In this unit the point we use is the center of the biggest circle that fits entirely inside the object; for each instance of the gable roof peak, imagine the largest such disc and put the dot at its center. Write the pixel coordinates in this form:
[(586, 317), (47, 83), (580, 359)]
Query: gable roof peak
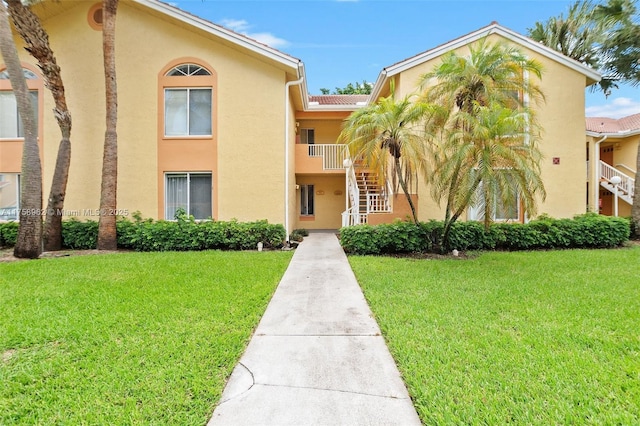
[(494, 27), (220, 31)]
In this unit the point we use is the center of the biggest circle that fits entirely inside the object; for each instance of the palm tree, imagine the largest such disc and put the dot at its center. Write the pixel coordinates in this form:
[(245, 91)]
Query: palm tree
[(36, 39), (603, 36), (107, 236), (389, 127), (29, 239), (488, 139), (491, 72), (574, 36), (492, 158)]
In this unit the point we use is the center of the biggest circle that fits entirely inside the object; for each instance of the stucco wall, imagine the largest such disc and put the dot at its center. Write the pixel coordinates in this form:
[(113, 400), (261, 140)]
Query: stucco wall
[(329, 202), (249, 114)]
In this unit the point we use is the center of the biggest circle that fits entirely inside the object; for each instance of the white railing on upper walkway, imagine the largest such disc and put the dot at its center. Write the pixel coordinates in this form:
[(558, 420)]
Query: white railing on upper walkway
[(333, 155), (626, 184)]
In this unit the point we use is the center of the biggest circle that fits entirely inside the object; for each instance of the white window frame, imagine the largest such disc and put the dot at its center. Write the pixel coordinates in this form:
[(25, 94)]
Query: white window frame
[(187, 175), (188, 90)]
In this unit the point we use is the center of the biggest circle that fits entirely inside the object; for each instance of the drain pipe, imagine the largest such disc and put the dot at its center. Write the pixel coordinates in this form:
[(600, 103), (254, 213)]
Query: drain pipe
[(596, 175), (286, 152)]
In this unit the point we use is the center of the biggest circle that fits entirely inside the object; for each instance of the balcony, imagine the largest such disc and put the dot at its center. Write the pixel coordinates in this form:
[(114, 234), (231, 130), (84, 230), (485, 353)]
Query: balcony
[(320, 158)]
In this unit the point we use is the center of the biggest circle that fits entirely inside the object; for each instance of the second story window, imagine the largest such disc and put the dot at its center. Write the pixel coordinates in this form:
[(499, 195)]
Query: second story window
[(188, 107), (307, 136), (10, 122)]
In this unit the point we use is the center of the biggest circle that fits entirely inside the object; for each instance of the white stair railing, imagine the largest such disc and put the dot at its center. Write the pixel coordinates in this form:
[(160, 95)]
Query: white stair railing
[(374, 202), (626, 185)]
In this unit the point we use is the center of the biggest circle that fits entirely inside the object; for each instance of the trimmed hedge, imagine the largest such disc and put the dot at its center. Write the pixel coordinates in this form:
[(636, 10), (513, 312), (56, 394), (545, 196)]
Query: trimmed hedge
[(8, 234), (184, 234), (583, 231)]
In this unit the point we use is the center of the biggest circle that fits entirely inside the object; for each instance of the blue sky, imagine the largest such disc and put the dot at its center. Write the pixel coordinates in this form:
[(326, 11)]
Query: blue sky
[(347, 41)]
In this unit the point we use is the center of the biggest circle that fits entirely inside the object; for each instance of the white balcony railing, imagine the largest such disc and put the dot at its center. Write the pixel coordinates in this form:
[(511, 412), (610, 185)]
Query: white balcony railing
[(333, 155)]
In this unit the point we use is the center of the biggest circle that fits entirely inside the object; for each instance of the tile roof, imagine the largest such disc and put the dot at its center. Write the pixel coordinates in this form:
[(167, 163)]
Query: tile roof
[(339, 99), (612, 125)]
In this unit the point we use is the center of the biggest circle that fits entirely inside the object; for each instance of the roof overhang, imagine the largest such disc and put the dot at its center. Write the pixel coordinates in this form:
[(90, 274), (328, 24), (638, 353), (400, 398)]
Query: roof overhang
[(614, 135)]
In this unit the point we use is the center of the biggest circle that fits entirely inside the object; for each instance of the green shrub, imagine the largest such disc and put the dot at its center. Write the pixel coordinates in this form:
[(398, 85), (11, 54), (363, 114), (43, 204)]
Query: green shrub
[(396, 237), (77, 235), (8, 234), (185, 234), (584, 231), (298, 234)]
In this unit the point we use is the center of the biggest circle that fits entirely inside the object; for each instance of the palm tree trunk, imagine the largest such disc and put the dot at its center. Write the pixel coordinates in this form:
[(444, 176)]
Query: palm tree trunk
[(52, 235), (635, 209), (403, 185), (36, 39), (107, 237), (487, 210), (29, 239), (456, 215)]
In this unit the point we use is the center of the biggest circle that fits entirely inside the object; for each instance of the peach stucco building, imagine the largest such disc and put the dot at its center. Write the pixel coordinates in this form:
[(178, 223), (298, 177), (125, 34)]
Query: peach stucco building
[(223, 126)]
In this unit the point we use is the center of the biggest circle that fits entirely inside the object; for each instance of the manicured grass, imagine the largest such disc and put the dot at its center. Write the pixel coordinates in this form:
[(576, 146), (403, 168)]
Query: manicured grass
[(525, 338), (136, 338)]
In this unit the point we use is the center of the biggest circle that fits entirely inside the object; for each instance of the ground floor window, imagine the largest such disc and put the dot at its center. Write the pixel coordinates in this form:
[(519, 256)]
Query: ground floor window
[(190, 191), (306, 200), (9, 196), (502, 212)]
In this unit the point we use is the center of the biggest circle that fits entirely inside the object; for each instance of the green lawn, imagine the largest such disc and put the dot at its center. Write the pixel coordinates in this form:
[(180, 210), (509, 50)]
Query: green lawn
[(522, 338), (136, 338)]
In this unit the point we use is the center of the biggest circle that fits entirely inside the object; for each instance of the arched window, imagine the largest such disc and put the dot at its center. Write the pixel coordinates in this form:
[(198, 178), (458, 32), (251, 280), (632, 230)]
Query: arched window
[(188, 69), (188, 99), (10, 123)]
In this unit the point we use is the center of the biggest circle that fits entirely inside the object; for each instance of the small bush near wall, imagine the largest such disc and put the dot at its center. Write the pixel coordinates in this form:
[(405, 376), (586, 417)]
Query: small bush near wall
[(78, 235), (184, 234), (584, 231), (8, 234)]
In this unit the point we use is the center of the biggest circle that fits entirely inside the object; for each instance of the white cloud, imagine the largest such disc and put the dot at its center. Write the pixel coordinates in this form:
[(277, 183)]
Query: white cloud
[(238, 25), (616, 108), (241, 26)]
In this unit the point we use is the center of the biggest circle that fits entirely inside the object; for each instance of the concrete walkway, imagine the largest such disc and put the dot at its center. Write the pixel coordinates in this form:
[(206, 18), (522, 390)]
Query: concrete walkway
[(317, 356)]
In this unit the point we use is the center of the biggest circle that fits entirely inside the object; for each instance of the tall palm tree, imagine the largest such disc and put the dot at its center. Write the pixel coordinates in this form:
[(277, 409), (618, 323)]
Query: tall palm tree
[(488, 139), (107, 236), (29, 239), (574, 36), (604, 36), (36, 39), (387, 137), (491, 72)]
